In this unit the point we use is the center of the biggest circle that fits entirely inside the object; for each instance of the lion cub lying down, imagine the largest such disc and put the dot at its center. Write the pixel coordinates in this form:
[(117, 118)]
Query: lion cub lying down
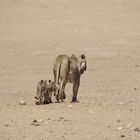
[(45, 89)]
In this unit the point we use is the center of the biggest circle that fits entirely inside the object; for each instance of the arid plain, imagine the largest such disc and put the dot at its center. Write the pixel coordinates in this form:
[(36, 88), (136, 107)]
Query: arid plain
[(33, 33)]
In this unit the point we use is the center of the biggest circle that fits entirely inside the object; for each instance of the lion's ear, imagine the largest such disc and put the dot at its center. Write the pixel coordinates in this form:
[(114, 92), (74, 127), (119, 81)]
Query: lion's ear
[(36, 97), (83, 56)]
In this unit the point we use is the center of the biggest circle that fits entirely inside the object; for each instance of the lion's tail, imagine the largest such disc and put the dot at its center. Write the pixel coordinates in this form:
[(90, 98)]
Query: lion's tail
[(58, 77)]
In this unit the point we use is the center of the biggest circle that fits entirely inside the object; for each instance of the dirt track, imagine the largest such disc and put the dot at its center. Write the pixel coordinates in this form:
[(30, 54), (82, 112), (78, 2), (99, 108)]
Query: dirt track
[(33, 33)]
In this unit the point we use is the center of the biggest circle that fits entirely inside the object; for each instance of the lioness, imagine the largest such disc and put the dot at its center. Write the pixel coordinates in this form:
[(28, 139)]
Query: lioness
[(68, 69), (44, 92)]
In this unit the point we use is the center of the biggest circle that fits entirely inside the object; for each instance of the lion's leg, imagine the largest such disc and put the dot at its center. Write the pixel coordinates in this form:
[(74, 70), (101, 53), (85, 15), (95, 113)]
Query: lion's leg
[(46, 100), (57, 95), (50, 100), (40, 99), (56, 92), (75, 90), (64, 94), (62, 89), (50, 96)]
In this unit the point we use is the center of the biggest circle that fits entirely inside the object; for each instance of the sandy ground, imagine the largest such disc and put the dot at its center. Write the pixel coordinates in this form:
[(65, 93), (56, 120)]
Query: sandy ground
[(33, 33)]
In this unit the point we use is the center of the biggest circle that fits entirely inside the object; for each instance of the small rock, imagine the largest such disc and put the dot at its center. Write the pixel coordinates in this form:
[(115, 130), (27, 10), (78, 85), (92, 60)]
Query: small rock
[(40, 120), (135, 88), (37, 124), (67, 120), (70, 106), (108, 126), (122, 136), (22, 102), (132, 128), (6, 125), (118, 121), (137, 129), (61, 118), (63, 137), (128, 126), (34, 121), (119, 128)]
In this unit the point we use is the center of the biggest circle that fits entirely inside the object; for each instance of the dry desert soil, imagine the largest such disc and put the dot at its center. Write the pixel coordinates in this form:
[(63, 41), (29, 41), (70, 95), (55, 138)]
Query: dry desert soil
[(34, 32)]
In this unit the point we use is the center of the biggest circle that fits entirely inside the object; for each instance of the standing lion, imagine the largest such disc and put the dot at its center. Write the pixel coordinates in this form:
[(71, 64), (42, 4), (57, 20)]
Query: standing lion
[(68, 69)]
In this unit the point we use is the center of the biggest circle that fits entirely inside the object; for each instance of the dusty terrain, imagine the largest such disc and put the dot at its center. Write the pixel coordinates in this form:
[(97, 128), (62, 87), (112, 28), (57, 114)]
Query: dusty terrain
[(34, 32)]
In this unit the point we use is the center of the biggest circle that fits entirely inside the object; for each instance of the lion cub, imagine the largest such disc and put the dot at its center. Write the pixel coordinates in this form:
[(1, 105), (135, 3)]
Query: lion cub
[(45, 89)]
